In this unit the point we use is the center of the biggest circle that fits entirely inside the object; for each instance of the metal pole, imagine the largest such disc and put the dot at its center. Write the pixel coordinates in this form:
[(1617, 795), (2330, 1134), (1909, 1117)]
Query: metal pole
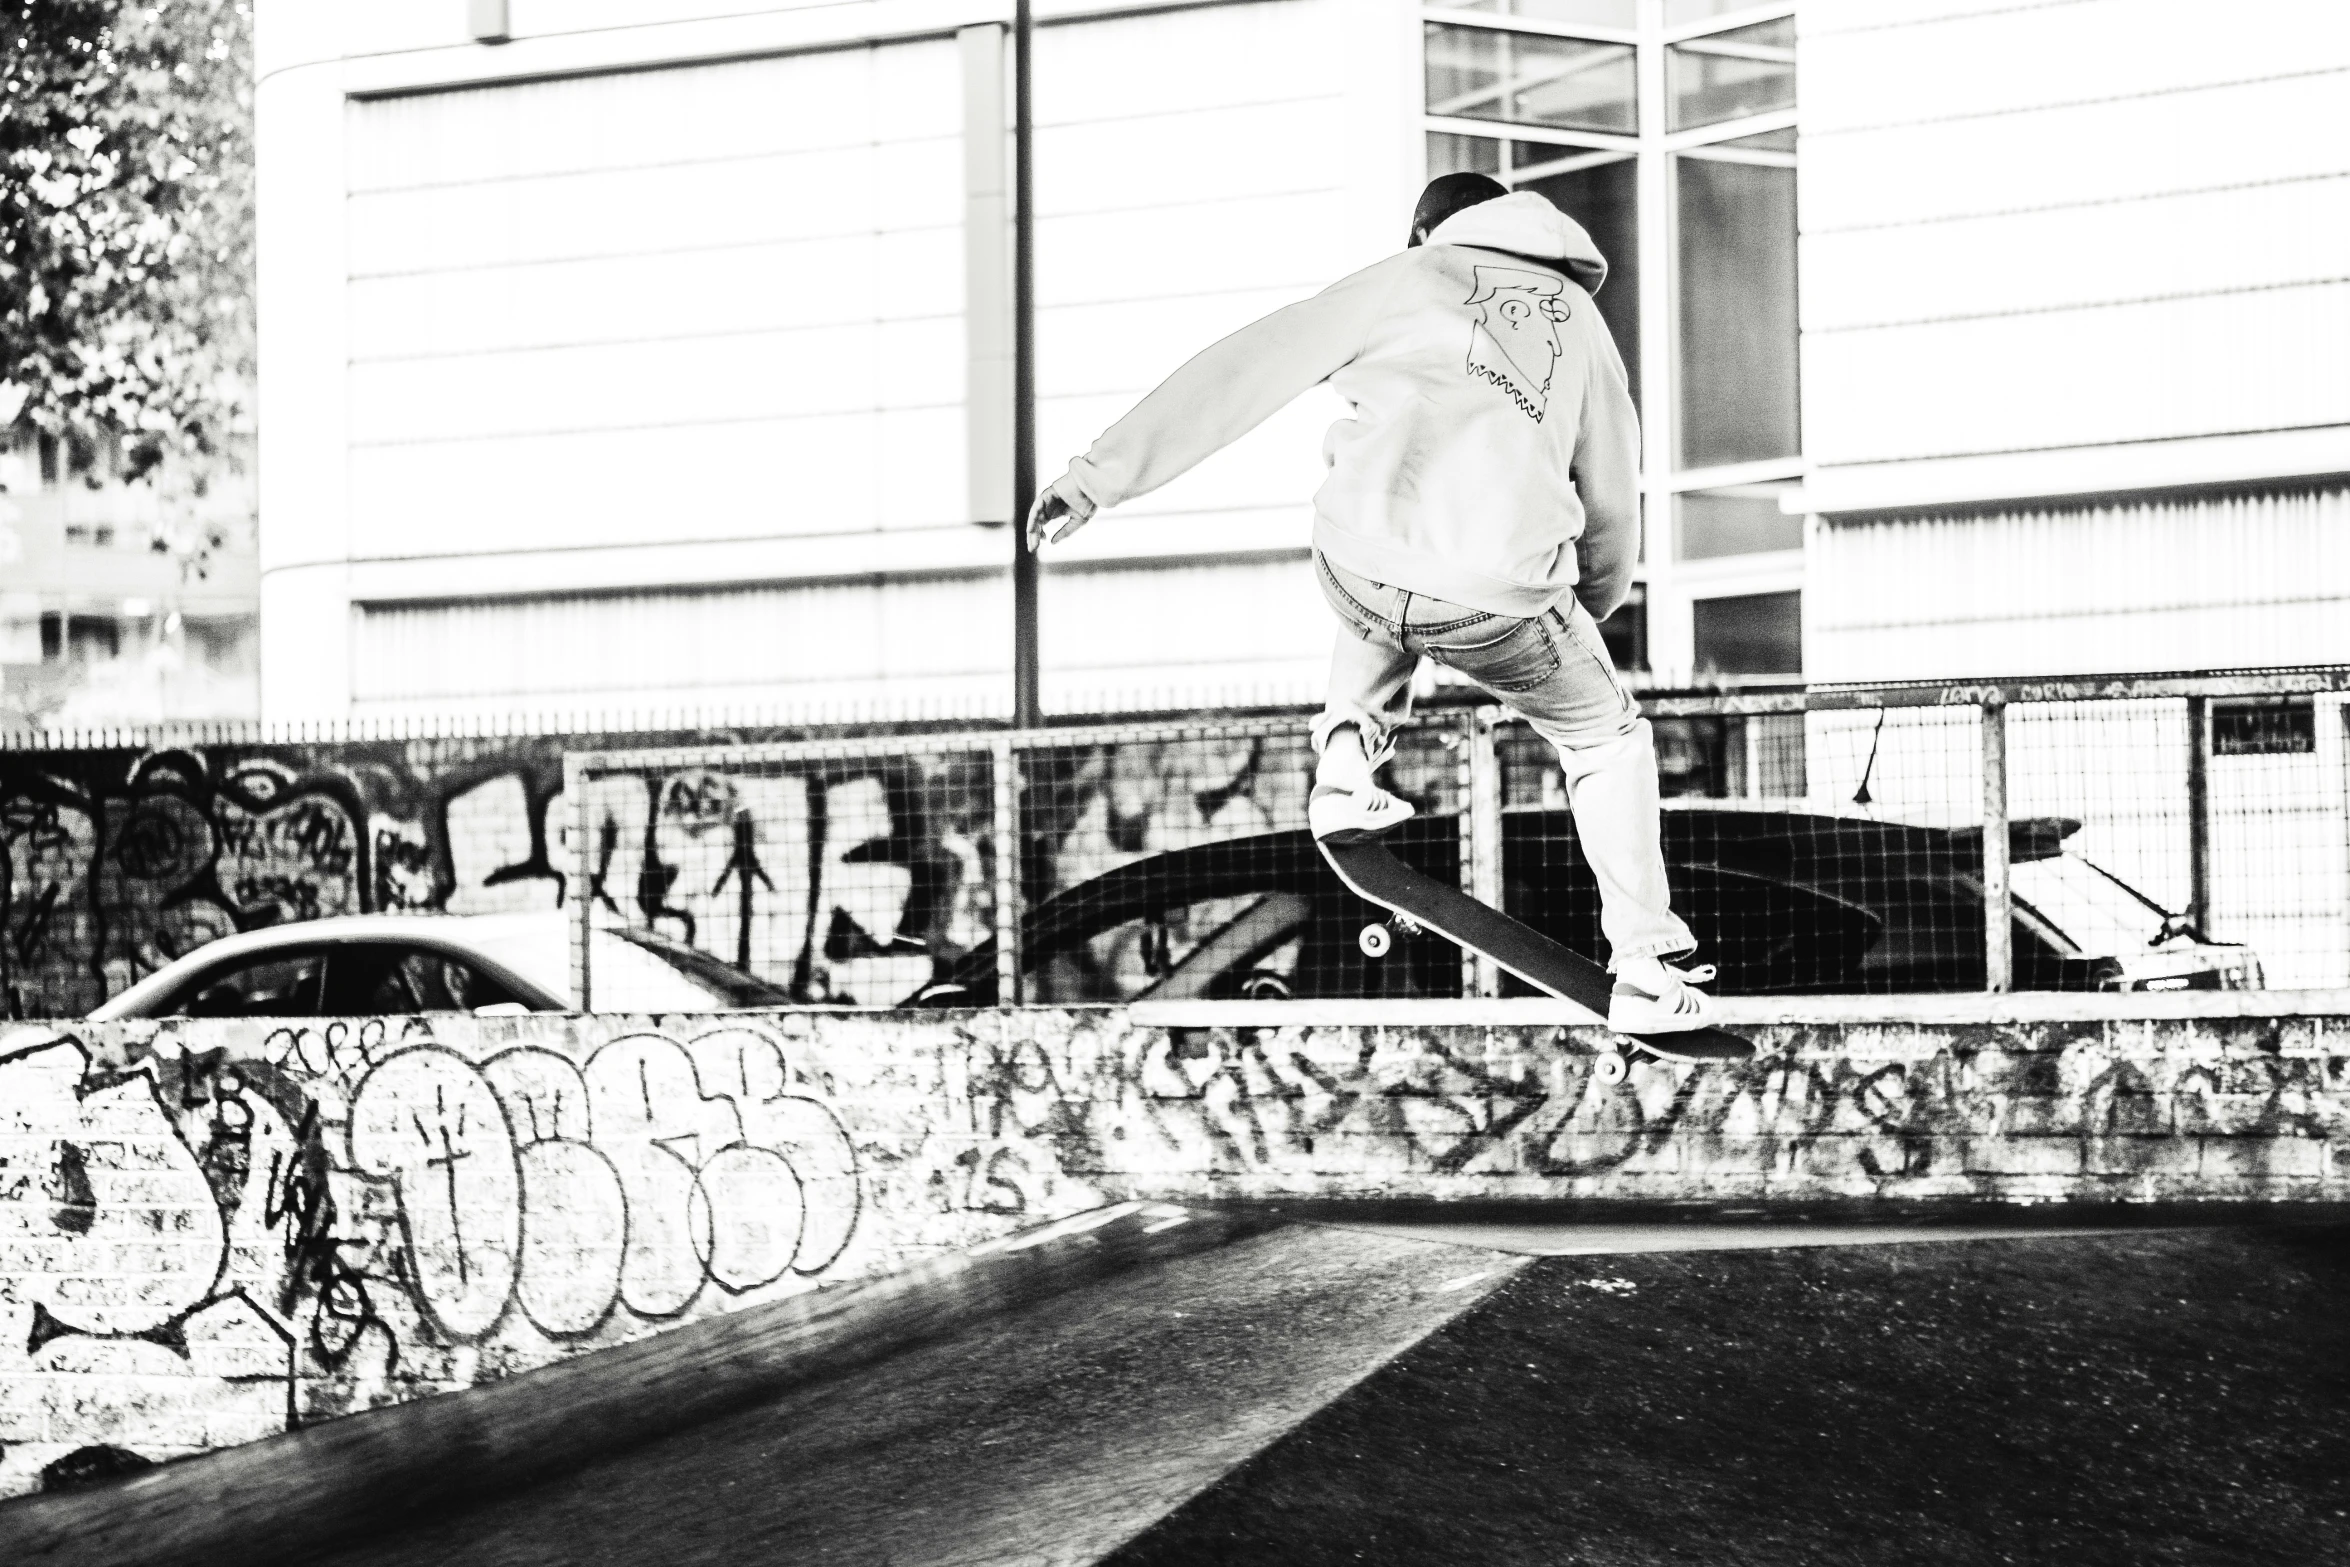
[(1026, 710), (1998, 905), (2199, 814), (1007, 872), (575, 793), (1481, 866)]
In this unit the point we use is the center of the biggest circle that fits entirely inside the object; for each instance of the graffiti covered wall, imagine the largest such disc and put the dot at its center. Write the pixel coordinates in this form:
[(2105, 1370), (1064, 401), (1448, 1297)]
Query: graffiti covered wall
[(214, 1230), (211, 1230), (837, 880)]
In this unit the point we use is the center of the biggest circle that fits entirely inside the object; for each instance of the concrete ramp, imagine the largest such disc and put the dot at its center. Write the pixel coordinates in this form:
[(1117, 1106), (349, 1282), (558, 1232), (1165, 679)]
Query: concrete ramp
[(1042, 1400), (1052, 1435)]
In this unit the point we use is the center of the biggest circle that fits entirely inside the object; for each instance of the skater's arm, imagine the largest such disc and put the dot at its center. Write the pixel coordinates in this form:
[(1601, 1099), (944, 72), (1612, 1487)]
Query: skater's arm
[(1225, 391), (1607, 478)]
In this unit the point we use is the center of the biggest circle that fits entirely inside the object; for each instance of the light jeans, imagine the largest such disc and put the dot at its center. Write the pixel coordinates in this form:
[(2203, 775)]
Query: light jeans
[(1555, 672)]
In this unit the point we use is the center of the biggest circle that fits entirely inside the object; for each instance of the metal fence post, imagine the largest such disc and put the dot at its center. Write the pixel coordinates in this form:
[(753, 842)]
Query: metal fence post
[(1481, 833), (2199, 814), (575, 776), (1007, 872), (1998, 903)]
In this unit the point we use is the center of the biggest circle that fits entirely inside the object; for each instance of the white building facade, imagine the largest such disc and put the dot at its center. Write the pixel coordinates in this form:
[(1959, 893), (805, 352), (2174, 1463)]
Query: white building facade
[(631, 356), (646, 361), (2075, 321)]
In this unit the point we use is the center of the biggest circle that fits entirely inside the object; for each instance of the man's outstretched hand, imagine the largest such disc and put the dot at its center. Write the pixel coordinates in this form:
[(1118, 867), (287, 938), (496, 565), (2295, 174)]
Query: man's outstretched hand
[(1061, 502)]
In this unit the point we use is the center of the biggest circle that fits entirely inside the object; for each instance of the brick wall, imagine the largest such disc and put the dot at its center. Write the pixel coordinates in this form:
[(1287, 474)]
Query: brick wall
[(212, 1229)]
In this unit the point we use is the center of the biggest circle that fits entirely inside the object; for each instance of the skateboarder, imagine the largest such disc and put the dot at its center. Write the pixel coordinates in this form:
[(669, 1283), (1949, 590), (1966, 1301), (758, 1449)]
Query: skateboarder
[(1481, 510)]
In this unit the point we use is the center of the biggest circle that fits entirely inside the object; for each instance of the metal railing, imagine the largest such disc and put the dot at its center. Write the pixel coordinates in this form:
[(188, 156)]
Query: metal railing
[(2161, 831)]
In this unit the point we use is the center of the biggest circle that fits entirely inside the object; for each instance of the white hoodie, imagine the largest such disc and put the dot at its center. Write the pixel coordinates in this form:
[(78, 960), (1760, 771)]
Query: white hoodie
[(1493, 453)]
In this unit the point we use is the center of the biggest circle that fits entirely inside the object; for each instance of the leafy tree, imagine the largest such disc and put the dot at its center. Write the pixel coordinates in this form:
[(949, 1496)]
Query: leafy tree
[(126, 232)]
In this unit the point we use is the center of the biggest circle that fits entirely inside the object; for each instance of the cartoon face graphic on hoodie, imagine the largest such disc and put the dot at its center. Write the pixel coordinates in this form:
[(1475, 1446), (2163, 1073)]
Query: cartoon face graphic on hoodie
[(1515, 343)]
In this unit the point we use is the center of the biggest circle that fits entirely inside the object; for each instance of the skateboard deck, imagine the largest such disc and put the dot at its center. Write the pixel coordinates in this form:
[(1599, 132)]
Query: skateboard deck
[(1371, 870)]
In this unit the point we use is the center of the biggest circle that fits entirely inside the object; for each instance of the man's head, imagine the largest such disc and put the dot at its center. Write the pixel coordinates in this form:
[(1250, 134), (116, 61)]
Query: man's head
[(1447, 194)]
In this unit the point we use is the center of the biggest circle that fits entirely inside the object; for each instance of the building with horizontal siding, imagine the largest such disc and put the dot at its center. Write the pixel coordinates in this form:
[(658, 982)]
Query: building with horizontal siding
[(636, 356)]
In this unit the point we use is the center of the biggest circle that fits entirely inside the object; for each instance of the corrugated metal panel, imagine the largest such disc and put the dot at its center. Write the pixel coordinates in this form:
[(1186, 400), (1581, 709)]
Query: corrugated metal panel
[(560, 647), (1118, 635), (2214, 583)]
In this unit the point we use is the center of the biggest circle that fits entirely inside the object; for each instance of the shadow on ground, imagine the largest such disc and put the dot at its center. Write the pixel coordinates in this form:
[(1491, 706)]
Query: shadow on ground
[(2134, 1398)]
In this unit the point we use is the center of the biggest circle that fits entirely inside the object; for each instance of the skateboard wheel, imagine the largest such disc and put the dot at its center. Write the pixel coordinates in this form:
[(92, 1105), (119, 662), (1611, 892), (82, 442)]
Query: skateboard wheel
[(1610, 1067), (1375, 940)]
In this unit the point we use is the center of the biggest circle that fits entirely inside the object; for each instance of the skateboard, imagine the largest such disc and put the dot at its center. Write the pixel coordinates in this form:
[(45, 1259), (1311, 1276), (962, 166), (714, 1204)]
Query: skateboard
[(1414, 902)]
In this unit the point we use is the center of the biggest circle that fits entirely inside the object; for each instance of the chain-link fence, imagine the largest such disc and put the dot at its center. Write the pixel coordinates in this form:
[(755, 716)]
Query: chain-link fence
[(2160, 832)]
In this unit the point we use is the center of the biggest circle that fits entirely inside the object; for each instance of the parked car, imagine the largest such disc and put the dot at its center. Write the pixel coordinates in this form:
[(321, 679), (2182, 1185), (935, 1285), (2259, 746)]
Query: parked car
[(391, 963), (1783, 902)]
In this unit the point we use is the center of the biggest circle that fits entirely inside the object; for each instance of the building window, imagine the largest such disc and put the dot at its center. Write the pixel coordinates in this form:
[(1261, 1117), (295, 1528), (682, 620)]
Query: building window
[(92, 639), (1667, 128), (1481, 73), (1736, 335), (1735, 520), (1731, 75), (1749, 634)]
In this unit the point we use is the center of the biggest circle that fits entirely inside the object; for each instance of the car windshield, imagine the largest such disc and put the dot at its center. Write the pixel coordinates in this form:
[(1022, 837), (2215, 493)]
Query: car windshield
[(2101, 915), (722, 982), (634, 971)]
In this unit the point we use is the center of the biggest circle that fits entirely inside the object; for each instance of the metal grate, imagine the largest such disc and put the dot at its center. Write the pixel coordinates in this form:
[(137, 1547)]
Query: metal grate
[(1824, 840), (2161, 831)]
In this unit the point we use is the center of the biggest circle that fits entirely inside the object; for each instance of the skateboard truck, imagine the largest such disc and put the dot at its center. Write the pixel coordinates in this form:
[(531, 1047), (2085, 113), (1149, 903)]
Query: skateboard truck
[(1378, 939)]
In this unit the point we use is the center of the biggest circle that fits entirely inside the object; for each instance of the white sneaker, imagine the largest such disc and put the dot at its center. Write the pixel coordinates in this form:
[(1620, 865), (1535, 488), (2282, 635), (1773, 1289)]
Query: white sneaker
[(1653, 997), (1345, 805), (1339, 815)]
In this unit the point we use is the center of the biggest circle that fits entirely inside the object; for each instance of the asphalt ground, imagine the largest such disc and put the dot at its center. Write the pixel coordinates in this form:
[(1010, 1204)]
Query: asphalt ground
[(2140, 1398)]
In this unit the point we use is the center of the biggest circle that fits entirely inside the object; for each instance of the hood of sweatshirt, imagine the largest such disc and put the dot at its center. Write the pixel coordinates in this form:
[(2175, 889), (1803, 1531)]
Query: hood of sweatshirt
[(1524, 223)]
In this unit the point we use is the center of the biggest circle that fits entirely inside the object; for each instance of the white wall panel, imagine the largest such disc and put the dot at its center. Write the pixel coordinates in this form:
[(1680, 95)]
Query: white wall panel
[(631, 311), (1128, 346), (2199, 366), (2037, 227), (2195, 584), (1176, 205), (1247, 54), (1289, 242), (715, 292), (1122, 164), (2216, 242), (831, 474), (572, 216), (2233, 135), (675, 304), (820, 370), (644, 119), (1878, 64)]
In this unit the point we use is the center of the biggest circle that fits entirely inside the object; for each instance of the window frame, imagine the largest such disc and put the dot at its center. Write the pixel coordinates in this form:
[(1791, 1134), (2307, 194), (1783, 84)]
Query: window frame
[(1671, 585)]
